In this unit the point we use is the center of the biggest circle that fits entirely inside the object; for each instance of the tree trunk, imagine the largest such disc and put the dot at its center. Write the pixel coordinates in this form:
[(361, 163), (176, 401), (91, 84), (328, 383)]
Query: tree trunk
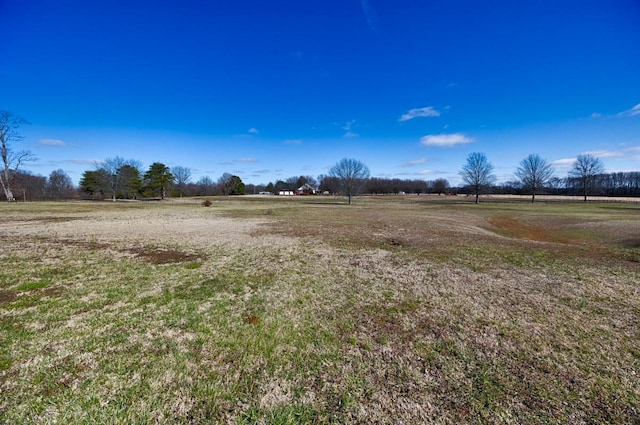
[(533, 197), (349, 195), (8, 193), (477, 198)]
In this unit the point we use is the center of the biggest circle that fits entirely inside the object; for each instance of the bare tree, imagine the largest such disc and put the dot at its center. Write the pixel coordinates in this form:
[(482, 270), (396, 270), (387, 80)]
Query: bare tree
[(534, 173), (477, 173), (293, 182), (205, 186), (31, 186), (351, 174), (111, 167), (116, 179), (224, 183), (182, 177), (59, 185), (440, 185), (586, 169), (11, 160)]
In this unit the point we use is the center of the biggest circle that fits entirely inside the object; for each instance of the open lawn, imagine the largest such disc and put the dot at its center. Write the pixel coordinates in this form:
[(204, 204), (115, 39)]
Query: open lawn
[(305, 310)]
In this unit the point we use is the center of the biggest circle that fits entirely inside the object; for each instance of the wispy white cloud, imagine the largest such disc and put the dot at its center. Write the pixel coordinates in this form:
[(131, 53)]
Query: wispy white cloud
[(51, 142), (603, 153), (427, 111), (414, 162), (348, 128), (631, 153), (260, 172), (628, 154), (425, 172), (293, 142), (633, 112), (84, 161), (246, 161), (445, 140), (563, 163), (414, 174), (370, 15), (253, 130)]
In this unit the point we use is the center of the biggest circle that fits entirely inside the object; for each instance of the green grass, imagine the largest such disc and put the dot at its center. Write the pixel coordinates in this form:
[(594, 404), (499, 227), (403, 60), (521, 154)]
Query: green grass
[(391, 310)]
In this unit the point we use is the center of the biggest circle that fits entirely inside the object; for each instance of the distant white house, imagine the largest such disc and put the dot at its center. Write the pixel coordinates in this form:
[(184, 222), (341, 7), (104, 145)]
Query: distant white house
[(286, 193), (307, 189)]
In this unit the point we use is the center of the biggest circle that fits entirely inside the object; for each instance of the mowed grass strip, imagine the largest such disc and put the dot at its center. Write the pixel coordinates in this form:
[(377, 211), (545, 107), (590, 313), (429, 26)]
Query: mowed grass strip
[(390, 310)]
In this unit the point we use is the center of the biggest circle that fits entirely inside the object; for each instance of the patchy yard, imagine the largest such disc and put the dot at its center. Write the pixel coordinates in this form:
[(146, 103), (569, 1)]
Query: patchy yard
[(392, 310)]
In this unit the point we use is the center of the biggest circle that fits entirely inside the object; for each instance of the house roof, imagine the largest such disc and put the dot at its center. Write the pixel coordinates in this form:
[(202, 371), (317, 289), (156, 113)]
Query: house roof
[(307, 186)]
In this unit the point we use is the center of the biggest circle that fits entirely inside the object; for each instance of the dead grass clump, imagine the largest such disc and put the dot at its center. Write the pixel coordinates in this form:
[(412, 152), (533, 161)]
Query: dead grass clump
[(252, 319)]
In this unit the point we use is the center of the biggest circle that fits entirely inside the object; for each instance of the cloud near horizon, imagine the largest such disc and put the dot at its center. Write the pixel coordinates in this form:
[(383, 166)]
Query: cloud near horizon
[(52, 142), (413, 163), (427, 111), (445, 140), (425, 172), (246, 161)]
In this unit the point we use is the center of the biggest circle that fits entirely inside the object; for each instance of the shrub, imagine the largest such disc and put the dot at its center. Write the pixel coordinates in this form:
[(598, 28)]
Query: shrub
[(206, 203)]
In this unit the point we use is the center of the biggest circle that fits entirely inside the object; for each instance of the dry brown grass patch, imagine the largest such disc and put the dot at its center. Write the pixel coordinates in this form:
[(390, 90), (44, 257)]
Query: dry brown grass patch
[(511, 227)]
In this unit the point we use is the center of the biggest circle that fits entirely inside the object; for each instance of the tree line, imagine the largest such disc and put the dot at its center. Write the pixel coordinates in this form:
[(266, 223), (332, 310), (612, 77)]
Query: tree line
[(58, 185), (119, 178)]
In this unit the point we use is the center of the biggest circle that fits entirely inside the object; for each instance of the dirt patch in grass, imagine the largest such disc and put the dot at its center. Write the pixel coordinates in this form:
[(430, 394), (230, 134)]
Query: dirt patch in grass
[(162, 256), (7, 297), (153, 255)]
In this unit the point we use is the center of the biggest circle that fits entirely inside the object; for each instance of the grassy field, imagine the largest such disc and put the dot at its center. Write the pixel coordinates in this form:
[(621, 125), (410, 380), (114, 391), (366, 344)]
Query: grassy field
[(306, 310)]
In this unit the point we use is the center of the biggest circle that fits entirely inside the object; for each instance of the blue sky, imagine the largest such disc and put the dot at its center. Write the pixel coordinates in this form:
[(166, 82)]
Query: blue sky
[(272, 89)]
